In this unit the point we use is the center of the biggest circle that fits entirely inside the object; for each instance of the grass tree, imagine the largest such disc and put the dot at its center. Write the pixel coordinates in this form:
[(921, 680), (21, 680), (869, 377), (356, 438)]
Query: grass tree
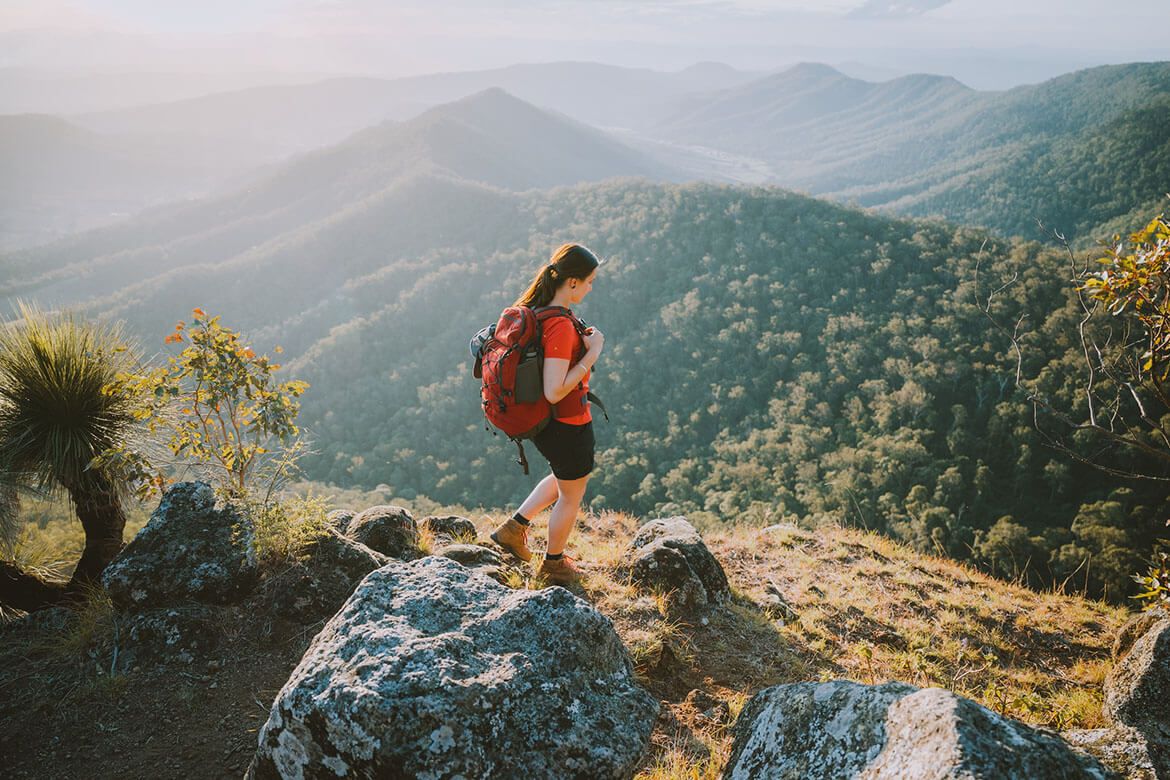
[(57, 413)]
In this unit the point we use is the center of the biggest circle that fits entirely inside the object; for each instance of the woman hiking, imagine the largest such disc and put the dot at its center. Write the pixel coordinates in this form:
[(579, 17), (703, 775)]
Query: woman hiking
[(567, 441)]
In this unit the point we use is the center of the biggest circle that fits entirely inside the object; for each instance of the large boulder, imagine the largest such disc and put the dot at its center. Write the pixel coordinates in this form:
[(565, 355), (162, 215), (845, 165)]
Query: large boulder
[(845, 729), (339, 519), (317, 585), (193, 549), (167, 636), (1135, 629), (449, 528), (481, 559), (1137, 689), (669, 555), (390, 530), (430, 671), (1120, 748)]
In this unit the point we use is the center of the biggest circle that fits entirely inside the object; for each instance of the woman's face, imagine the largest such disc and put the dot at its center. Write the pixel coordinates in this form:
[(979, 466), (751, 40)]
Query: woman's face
[(579, 288)]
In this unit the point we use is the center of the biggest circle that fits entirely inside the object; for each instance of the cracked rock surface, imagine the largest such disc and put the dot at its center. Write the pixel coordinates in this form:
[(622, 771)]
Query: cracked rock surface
[(430, 671)]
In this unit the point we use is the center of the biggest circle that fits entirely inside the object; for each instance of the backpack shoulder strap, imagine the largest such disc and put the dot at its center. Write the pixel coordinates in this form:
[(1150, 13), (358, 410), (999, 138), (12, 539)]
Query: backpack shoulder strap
[(549, 312)]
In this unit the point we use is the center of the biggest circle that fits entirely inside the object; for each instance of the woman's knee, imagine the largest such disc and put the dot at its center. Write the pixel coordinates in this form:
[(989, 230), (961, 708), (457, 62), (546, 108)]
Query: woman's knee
[(572, 489)]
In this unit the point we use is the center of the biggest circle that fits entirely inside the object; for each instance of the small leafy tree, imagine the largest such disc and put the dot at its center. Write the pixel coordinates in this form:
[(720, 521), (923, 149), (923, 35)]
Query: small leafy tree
[(1124, 393), (219, 405), (59, 410)]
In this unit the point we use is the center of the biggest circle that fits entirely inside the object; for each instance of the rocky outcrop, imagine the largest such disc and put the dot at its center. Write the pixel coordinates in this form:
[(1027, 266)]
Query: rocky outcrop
[(1137, 689), (317, 585), (484, 560), (669, 555), (339, 519), (433, 672), (844, 729), (1120, 748), (390, 530), (447, 529), (160, 637), (193, 549)]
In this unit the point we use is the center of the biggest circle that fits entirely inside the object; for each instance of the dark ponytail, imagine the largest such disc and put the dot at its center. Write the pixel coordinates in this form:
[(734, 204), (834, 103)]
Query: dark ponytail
[(570, 261)]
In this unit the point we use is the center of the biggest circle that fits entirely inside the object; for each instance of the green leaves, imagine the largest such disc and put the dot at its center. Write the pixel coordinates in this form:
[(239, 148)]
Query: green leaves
[(220, 405), (58, 406), (1135, 281)]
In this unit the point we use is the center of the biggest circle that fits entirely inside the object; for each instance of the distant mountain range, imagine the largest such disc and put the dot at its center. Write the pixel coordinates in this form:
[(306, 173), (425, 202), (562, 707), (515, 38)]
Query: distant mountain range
[(338, 211), (769, 353), (143, 156), (927, 145)]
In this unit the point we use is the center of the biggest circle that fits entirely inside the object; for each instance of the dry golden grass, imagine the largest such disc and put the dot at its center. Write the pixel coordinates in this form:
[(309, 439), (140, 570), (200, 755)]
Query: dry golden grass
[(868, 610)]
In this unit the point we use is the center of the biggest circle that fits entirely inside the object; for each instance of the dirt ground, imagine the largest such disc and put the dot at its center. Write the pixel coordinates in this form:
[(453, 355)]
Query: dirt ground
[(61, 718)]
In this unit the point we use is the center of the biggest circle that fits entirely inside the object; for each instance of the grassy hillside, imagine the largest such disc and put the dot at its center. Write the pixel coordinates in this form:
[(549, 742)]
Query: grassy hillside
[(866, 609)]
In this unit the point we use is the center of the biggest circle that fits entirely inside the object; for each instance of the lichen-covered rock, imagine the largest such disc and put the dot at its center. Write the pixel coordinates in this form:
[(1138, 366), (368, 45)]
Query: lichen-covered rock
[(1122, 749), (845, 729), (429, 671), (1135, 629), (669, 555), (169, 636), (1137, 692), (323, 579), (339, 519), (481, 559), (449, 528), (193, 549), (390, 530)]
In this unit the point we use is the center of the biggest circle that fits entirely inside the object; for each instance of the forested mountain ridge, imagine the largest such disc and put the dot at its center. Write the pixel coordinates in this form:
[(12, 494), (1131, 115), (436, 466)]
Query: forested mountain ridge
[(769, 355), (296, 118), (491, 138), (1065, 152)]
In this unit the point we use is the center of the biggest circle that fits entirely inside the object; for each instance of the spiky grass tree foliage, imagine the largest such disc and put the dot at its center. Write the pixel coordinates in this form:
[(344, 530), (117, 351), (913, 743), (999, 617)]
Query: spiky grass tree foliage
[(57, 413)]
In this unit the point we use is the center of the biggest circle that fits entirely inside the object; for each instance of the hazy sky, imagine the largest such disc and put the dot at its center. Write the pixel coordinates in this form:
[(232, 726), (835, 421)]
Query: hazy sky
[(400, 37)]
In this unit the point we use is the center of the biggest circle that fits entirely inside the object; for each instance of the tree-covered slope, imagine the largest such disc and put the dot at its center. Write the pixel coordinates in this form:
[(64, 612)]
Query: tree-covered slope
[(767, 355), (1075, 152)]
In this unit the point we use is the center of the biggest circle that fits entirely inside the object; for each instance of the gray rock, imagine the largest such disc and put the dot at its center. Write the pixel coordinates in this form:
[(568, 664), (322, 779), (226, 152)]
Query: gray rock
[(1120, 748), (339, 519), (163, 637), (193, 549), (844, 729), (1134, 629), (481, 559), (320, 583), (669, 555), (390, 530), (450, 528), (431, 672), (1137, 691)]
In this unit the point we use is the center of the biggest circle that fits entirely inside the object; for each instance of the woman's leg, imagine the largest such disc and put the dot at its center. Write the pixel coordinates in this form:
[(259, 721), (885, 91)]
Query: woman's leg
[(564, 512), (540, 499)]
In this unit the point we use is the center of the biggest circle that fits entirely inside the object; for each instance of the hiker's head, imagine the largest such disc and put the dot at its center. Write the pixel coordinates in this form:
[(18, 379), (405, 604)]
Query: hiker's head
[(572, 265)]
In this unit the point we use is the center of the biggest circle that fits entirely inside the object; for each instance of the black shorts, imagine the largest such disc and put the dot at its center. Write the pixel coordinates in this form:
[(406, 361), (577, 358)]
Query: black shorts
[(568, 448)]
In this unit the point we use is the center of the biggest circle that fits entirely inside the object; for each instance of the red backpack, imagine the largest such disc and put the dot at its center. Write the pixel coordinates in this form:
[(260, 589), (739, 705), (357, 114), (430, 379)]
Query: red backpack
[(509, 359)]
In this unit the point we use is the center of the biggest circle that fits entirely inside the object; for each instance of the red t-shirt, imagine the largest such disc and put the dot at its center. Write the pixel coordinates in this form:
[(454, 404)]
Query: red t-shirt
[(561, 340)]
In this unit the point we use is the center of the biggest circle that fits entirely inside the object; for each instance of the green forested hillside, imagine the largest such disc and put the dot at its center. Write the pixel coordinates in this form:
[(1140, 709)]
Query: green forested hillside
[(768, 356), (1108, 178), (1074, 152)]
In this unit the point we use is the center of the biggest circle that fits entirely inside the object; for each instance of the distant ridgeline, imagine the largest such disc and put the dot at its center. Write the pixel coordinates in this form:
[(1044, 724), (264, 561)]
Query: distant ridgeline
[(768, 356), (1073, 152)]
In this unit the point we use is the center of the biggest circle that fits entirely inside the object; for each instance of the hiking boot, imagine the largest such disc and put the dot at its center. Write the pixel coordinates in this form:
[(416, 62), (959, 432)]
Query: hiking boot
[(560, 572), (513, 537)]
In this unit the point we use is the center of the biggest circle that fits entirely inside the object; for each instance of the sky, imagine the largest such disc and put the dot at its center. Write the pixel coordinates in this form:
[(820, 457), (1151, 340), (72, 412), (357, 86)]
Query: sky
[(407, 37)]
